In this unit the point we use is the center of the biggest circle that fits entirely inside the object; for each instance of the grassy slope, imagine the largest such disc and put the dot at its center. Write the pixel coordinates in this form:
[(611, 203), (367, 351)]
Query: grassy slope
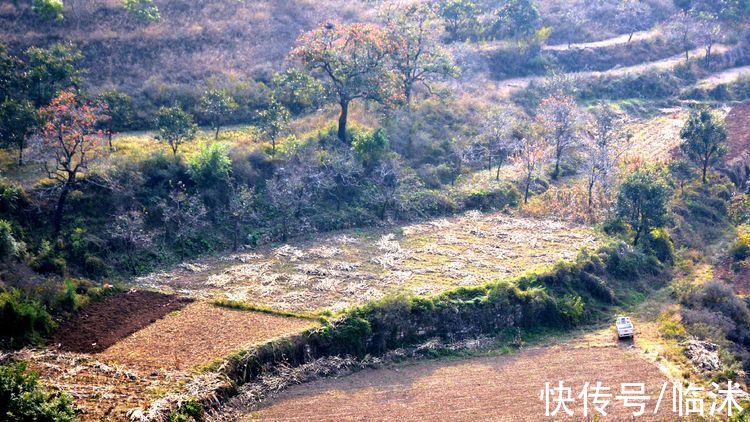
[(201, 39)]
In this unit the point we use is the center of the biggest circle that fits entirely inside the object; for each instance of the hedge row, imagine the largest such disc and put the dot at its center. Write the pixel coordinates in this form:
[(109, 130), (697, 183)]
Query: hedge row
[(562, 298)]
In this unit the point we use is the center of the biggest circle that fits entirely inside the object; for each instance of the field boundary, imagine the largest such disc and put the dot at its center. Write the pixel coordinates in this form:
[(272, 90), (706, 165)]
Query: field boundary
[(565, 297)]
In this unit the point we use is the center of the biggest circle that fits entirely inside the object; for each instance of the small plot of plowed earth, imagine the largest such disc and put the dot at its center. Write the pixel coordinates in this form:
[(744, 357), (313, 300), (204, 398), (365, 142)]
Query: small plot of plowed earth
[(104, 323), (157, 340), (738, 132), (197, 335), (343, 269), (503, 388)]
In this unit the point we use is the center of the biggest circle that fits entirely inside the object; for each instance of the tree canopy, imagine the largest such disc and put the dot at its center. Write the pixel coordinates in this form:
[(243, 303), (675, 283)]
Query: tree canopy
[(352, 59)]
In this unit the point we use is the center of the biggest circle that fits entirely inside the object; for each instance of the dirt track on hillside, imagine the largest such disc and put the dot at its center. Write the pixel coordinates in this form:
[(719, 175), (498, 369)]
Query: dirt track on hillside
[(488, 388)]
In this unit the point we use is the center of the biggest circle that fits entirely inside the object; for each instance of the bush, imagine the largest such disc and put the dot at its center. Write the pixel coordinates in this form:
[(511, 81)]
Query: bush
[(23, 399), (740, 249), (659, 244), (188, 411), (492, 200), (9, 247), (22, 321), (47, 261), (615, 227)]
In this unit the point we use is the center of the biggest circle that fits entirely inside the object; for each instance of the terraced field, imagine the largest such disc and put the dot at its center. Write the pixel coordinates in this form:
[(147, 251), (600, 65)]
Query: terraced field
[(134, 347), (339, 270), (501, 388)]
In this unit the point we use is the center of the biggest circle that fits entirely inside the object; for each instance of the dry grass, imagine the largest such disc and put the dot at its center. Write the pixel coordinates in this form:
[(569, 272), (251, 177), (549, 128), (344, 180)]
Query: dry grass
[(100, 391), (338, 270)]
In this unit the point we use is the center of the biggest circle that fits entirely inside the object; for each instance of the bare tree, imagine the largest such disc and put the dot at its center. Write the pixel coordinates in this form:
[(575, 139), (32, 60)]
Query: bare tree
[(531, 156), (466, 152), (681, 30), (603, 147), (293, 188), (559, 119), (632, 14), (241, 212), (389, 180), (343, 173), (708, 32), (184, 215), (497, 137), (129, 235)]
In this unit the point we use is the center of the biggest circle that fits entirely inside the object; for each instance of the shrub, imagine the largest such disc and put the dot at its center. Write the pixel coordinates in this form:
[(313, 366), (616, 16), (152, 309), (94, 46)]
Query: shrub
[(370, 147), (47, 261), (740, 249), (9, 247), (22, 321), (615, 227), (190, 410), (492, 200), (659, 244), (351, 334), (23, 399)]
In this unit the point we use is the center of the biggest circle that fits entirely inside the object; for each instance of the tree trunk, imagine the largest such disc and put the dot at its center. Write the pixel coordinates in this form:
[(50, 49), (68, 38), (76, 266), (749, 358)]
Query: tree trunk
[(705, 172), (59, 210), (638, 235), (109, 140), (687, 55), (216, 134), (174, 149), (497, 174), (708, 56), (630, 37), (20, 155), (273, 146), (556, 173), (526, 191), (342, 120)]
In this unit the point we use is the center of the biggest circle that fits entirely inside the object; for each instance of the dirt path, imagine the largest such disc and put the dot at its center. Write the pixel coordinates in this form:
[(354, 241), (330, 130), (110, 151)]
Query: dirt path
[(488, 388), (619, 40), (723, 77), (504, 88)]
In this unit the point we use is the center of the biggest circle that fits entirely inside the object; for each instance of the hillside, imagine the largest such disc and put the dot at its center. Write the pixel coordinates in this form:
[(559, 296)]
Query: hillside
[(221, 43), (374, 209)]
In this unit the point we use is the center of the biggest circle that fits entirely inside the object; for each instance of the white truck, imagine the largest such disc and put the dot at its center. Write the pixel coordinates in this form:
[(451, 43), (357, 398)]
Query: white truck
[(624, 327)]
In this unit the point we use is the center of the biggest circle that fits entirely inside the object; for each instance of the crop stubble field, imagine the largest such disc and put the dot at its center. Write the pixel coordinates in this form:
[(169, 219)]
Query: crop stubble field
[(339, 270)]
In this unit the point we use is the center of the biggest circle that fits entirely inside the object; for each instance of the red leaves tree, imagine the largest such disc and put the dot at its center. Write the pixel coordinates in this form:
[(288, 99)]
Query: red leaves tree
[(68, 143), (353, 60)]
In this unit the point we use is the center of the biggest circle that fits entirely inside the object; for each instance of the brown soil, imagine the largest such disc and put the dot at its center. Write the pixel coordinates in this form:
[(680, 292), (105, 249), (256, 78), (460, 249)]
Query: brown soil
[(197, 335), (155, 359), (489, 388), (738, 131), (104, 323)]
